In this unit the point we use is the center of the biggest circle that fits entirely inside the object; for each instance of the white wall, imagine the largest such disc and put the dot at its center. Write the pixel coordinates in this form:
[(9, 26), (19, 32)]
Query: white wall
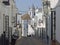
[(58, 24), (24, 31), (1, 18), (19, 18), (22, 27), (39, 16), (49, 26), (55, 3), (30, 30), (6, 10)]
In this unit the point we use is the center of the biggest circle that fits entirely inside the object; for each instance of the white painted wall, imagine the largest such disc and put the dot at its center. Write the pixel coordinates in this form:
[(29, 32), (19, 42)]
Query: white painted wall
[(38, 16), (30, 30), (22, 27), (1, 18), (19, 18), (55, 3), (58, 24), (49, 26), (24, 31), (6, 10)]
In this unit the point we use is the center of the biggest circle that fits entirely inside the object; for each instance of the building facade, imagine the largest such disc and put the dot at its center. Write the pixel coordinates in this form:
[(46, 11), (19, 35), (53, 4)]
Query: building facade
[(8, 10), (53, 20), (31, 12), (56, 9), (25, 20), (1, 18), (38, 21)]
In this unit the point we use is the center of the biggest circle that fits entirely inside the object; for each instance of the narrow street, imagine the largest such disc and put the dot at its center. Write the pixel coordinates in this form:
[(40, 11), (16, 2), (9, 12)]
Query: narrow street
[(29, 22), (29, 41)]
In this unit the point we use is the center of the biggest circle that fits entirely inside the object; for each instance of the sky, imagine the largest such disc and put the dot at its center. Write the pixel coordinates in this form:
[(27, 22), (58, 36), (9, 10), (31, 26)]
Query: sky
[(23, 5)]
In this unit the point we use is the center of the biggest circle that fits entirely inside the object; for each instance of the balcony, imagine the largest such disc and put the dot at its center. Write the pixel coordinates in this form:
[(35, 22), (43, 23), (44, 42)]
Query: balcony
[(6, 2)]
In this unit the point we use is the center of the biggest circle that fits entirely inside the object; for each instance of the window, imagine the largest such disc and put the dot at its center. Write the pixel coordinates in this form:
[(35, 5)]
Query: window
[(53, 25), (6, 2), (34, 13), (7, 25), (30, 13)]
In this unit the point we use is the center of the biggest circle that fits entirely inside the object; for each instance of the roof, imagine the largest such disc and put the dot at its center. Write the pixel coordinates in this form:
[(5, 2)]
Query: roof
[(26, 17)]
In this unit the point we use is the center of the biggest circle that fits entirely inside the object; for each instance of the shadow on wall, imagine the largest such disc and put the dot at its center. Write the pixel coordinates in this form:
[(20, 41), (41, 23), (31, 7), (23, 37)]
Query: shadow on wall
[(4, 40)]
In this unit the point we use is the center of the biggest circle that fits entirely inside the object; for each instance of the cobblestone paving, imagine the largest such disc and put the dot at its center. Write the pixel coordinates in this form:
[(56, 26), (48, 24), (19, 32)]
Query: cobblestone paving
[(29, 41)]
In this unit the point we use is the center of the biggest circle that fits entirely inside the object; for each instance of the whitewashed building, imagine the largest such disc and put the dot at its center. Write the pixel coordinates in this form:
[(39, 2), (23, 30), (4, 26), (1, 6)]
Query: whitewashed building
[(55, 5), (8, 11), (1, 19), (37, 21), (19, 24), (19, 18), (31, 12), (25, 20), (53, 20)]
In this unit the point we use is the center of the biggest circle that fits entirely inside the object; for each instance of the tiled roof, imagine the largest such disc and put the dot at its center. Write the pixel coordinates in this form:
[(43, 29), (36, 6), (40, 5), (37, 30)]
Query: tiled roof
[(26, 17)]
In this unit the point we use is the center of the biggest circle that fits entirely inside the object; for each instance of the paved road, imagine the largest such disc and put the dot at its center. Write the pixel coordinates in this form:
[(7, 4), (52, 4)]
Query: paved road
[(29, 41)]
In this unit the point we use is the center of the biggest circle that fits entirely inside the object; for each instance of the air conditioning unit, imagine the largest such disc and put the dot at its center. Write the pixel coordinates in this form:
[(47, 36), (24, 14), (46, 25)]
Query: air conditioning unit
[(6, 2)]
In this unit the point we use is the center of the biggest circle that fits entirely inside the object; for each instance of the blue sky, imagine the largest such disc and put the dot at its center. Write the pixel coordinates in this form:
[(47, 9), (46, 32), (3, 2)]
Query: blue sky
[(23, 5)]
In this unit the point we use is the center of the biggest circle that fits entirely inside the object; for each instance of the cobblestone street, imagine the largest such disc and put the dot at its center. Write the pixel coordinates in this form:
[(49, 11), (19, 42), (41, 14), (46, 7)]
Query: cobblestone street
[(29, 41), (29, 22)]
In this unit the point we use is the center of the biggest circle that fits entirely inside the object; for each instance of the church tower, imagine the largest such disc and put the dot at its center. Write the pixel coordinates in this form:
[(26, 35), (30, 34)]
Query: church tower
[(32, 11)]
